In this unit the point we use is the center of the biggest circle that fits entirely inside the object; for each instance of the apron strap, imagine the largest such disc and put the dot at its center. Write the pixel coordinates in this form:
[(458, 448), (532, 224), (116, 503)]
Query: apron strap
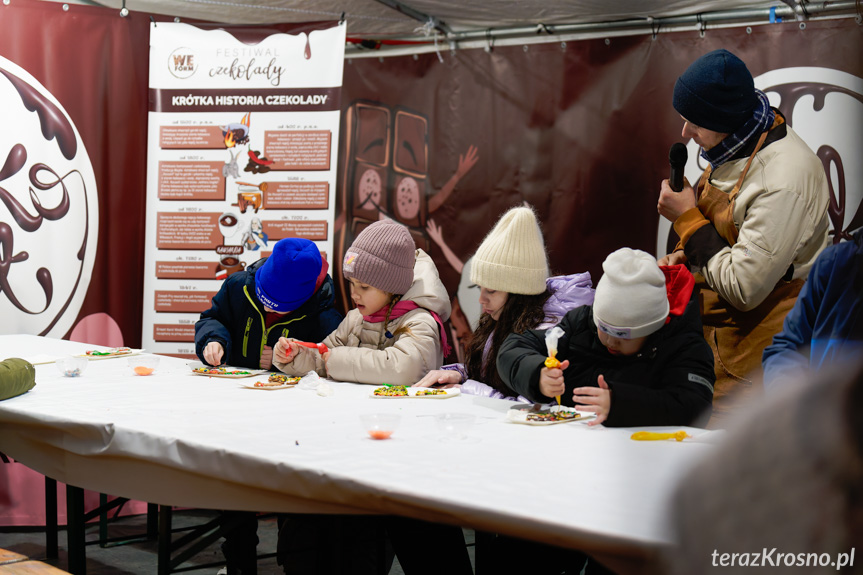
[(736, 189)]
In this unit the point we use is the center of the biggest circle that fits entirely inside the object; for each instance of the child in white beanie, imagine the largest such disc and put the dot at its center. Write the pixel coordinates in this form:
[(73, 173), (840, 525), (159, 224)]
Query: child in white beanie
[(636, 357), (516, 294), (395, 334)]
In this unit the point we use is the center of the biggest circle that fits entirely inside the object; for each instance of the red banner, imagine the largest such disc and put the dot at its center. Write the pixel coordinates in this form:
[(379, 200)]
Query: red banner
[(580, 131)]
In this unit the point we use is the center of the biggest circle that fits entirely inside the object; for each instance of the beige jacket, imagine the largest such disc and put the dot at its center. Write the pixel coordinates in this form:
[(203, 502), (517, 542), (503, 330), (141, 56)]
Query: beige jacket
[(781, 215), (361, 353)]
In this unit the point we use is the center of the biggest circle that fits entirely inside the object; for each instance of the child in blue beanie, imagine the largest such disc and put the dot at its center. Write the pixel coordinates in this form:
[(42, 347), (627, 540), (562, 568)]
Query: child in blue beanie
[(288, 294)]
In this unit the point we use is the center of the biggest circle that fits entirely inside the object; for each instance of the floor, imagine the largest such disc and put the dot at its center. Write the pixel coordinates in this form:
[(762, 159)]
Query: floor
[(140, 557)]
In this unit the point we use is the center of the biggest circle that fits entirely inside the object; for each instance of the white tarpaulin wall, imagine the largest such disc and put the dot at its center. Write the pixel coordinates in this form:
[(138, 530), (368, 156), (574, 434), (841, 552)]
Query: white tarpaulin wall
[(456, 21)]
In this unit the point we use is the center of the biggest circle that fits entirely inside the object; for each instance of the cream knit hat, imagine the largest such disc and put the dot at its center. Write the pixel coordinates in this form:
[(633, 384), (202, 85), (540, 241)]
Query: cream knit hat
[(512, 256), (630, 300)]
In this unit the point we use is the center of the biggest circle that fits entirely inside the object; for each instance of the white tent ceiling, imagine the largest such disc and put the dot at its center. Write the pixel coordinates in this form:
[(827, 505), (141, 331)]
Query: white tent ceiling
[(460, 20)]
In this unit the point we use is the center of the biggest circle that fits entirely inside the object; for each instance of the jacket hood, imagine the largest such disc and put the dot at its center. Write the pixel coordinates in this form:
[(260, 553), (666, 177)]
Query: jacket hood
[(427, 291), (567, 292), (679, 284)]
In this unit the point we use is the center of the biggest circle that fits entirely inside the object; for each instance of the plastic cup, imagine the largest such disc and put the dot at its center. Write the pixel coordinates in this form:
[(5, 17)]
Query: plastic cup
[(454, 426), (71, 366), (143, 364), (380, 425)]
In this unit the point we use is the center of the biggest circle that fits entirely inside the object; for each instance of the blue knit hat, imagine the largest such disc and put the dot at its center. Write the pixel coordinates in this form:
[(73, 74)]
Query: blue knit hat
[(716, 92), (288, 277)]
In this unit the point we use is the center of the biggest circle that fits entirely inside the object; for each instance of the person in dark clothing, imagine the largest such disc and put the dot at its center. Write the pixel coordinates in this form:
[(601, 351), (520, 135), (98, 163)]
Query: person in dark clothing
[(824, 326), (636, 357), (288, 294)]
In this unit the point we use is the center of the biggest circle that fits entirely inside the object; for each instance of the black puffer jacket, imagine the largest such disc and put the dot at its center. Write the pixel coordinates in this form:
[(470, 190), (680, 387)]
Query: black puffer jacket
[(669, 382)]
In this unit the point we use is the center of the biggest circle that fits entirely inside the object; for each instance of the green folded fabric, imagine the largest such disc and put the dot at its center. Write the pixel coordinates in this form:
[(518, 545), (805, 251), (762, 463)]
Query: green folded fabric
[(16, 377)]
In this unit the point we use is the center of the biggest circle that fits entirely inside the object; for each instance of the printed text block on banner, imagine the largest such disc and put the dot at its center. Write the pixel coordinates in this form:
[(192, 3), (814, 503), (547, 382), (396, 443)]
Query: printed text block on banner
[(297, 196), (308, 229), (298, 149), (173, 332), (187, 231), (191, 181), (183, 301), (191, 138), (186, 270)]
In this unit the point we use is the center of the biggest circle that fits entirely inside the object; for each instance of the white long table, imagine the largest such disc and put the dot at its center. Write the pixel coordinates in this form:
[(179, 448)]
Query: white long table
[(175, 438)]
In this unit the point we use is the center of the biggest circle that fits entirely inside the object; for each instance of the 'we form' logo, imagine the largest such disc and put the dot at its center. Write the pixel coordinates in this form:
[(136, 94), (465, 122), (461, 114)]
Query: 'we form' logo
[(182, 63)]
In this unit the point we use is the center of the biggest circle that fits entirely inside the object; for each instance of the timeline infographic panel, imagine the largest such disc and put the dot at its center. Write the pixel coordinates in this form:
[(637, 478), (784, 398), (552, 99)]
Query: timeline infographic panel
[(242, 152)]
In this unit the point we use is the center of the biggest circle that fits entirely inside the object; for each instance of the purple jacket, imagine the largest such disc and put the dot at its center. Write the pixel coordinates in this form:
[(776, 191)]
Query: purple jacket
[(567, 292)]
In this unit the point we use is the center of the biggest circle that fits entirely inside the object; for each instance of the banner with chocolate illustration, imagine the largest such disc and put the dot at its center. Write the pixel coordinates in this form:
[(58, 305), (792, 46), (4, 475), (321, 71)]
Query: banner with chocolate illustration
[(243, 138), (67, 156)]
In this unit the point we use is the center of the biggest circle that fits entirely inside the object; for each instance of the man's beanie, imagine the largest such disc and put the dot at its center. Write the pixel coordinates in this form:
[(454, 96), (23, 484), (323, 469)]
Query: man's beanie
[(512, 256), (382, 256), (716, 92), (631, 299), (288, 277)]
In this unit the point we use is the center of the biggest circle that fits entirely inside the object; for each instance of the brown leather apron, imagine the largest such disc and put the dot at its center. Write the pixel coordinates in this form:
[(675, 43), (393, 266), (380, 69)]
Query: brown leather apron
[(736, 337)]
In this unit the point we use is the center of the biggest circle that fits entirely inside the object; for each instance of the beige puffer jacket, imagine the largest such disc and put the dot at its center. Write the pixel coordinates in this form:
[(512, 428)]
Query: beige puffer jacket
[(361, 353), (781, 215)]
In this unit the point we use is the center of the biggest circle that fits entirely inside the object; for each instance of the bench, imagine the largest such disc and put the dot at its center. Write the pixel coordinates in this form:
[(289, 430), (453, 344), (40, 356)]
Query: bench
[(12, 563)]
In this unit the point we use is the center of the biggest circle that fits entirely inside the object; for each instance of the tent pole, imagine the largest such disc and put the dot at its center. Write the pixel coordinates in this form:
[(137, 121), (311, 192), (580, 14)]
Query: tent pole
[(546, 33)]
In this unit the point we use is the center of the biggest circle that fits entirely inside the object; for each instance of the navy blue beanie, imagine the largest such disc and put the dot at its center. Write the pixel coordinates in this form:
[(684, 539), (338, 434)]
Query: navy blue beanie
[(288, 277), (716, 92)]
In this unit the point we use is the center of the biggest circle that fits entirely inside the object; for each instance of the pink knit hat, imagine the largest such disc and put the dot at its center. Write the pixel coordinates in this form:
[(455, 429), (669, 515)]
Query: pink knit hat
[(382, 256)]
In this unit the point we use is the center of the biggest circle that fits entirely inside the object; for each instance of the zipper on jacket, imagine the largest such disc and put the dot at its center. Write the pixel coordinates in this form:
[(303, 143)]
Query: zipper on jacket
[(246, 337), (265, 331), (285, 331)]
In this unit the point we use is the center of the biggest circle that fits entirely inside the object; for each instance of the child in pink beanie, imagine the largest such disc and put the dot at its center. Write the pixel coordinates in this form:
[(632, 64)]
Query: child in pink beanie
[(395, 333)]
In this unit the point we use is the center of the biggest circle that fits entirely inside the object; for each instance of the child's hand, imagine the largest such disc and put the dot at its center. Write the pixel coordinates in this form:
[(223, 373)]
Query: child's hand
[(594, 399), (285, 350), (325, 357), (439, 378), (213, 353), (551, 380), (266, 357)]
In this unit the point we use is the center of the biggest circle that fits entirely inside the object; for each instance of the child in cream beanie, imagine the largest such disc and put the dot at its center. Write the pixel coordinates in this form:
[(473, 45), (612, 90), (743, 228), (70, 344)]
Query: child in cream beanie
[(512, 257)]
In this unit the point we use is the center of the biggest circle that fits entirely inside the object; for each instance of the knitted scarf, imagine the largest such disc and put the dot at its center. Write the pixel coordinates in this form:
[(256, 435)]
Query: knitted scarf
[(401, 308), (761, 120)]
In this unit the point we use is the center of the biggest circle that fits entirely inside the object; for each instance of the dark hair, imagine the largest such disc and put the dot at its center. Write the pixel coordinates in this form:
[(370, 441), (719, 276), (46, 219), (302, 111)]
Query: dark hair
[(519, 314)]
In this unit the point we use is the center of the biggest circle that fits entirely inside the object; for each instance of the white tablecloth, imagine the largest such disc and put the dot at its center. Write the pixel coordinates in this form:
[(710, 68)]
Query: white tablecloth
[(181, 439)]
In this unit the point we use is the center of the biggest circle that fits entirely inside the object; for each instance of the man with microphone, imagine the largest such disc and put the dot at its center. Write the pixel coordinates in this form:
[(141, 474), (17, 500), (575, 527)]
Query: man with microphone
[(753, 225)]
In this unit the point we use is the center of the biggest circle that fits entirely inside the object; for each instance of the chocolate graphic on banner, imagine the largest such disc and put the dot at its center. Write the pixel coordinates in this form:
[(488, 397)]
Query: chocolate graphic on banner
[(386, 176), (790, 94), (53, 200)]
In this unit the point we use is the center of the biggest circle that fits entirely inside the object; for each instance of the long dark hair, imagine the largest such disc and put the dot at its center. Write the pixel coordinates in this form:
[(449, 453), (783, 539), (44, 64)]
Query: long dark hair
[(520, 313)]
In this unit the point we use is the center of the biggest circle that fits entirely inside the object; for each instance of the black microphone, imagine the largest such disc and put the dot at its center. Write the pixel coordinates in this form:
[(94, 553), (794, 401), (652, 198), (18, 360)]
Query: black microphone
[(677, 158)]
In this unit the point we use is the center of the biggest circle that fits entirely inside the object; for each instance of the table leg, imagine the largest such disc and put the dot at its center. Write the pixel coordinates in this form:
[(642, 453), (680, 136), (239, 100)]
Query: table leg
[(164, 553), (75, 530), (52, 550), (152, 520), (103, 520), (482, 547)]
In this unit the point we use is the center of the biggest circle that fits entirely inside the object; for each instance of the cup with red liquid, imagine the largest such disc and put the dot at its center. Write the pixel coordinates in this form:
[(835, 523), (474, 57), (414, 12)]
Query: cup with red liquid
[(380, 425)]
